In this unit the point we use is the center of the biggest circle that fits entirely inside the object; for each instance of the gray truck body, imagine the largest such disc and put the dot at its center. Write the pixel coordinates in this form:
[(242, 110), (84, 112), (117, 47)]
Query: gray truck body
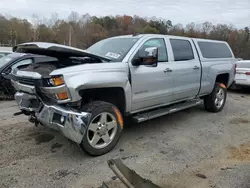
[(144, 87)]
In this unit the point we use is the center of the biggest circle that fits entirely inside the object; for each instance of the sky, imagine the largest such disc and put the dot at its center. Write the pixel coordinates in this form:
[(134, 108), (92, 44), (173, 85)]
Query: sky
[(236, 12)]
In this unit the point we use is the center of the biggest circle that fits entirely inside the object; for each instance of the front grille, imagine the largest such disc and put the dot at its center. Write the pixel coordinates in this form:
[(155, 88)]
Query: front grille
[(25, 81)]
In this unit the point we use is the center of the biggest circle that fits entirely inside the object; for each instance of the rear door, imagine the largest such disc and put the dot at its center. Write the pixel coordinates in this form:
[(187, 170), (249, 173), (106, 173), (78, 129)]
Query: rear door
[(186, 68)]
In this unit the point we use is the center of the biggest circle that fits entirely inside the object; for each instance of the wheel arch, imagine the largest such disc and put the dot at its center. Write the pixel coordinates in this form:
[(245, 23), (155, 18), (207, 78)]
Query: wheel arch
[(114, 95), (222, 78)]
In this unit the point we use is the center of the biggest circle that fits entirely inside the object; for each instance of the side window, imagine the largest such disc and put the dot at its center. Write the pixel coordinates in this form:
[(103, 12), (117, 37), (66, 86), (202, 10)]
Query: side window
[(182, 50), (20, 63), (160, 44), (215, 50)]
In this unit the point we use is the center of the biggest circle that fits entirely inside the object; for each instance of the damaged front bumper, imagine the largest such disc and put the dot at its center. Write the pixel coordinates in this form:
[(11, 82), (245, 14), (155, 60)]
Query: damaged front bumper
[(70, 122)]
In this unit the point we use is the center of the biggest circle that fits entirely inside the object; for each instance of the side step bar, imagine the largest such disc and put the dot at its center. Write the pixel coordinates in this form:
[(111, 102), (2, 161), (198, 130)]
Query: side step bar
[(165, 110)]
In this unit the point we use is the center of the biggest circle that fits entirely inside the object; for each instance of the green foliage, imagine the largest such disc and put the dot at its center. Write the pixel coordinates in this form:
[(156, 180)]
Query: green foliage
[(84, 30), (147, 30)]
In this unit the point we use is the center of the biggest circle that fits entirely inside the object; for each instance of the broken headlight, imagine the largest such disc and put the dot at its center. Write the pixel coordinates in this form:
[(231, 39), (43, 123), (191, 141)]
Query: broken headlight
[(56, 81), (57, 88)]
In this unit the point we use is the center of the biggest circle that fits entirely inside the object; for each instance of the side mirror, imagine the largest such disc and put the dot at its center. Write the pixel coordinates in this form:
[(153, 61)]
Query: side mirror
[(6, 75), (147, 56)]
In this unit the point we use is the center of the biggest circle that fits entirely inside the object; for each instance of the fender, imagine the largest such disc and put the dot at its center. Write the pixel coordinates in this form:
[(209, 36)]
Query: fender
[(103, 75), (211, 71)]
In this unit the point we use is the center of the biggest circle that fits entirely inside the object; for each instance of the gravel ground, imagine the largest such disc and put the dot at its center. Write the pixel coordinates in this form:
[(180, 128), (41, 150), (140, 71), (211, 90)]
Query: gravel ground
[(188, 149)]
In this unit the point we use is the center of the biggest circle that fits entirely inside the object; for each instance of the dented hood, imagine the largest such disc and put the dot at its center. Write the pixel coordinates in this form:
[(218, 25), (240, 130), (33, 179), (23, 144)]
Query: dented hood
[(55, 50)]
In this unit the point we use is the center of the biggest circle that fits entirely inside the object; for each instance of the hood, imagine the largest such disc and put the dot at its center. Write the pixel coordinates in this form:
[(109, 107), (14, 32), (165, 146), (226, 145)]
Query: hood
[(55, 50), (98, 67)]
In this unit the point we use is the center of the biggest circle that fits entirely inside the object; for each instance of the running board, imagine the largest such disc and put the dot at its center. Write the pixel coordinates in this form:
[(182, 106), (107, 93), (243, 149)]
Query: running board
[(165, 110)]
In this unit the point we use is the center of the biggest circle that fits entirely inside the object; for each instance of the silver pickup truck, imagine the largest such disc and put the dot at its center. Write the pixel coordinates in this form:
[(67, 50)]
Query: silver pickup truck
[(86, 94)]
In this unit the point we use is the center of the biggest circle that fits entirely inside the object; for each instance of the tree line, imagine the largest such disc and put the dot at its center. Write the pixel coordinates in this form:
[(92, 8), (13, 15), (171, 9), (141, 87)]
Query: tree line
[(83, 30)]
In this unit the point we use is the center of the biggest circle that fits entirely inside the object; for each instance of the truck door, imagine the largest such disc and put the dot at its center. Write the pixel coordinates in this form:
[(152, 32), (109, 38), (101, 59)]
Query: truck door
[(186, 69), (151, 86)]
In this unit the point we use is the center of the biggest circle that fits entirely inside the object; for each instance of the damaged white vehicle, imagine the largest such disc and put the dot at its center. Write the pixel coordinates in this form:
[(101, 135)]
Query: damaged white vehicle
[(86, 94)]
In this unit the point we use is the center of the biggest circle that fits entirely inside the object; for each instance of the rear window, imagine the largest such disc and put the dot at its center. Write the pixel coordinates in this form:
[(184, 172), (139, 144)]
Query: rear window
[(214, 50), (182, 49)]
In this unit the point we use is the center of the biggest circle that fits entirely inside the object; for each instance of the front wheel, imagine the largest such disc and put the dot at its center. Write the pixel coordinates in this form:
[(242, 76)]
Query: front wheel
[(104, 130), (217, 99)]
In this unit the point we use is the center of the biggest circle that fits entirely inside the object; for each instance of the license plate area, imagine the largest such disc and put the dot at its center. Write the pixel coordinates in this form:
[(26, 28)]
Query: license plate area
[(58, 119)]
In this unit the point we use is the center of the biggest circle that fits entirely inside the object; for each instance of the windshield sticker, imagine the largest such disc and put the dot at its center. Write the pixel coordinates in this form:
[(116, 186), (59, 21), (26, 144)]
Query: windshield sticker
[(113, 55)]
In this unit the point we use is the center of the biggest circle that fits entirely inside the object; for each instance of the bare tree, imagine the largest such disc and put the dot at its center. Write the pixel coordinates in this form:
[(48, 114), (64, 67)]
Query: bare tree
[(83, 30), (36, 21)]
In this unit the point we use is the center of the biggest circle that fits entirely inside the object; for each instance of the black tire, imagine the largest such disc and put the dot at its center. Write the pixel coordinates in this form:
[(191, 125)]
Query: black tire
[(10, 97), (6, 96), (209, 100), (96, 108)]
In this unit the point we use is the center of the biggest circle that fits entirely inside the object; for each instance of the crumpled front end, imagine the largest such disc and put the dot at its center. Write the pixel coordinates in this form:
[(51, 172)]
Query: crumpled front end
[(70, 122), (43, 105)]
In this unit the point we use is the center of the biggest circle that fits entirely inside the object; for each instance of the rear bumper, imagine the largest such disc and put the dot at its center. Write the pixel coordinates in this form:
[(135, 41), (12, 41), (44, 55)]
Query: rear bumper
[(69, 122), (242, 82)]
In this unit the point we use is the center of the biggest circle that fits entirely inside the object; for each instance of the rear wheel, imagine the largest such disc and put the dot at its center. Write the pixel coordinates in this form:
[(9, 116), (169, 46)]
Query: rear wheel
[(104, 130), (217, 99)]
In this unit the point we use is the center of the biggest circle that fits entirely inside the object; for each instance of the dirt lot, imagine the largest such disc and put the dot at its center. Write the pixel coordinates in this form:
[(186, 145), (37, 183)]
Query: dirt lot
[(192, 148)]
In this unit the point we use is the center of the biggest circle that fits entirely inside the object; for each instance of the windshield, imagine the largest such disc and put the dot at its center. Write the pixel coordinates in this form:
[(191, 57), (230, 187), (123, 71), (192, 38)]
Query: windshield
[(114, 48), (2, 54), (5, 59)]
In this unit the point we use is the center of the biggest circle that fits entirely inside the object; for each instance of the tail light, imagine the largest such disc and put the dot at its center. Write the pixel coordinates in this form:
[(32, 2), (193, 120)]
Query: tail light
[(235, 67), (247, 73)]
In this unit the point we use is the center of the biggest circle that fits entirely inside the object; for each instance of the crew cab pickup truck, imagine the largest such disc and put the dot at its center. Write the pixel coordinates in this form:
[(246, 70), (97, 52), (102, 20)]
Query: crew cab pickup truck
[(86, 94)]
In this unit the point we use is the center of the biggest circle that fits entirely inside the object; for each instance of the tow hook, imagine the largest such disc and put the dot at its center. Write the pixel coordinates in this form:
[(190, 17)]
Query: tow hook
[(34, 120)]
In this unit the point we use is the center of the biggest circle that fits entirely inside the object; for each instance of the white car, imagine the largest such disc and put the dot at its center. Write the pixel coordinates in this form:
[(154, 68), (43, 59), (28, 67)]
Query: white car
[(242, 76), (4, 53)]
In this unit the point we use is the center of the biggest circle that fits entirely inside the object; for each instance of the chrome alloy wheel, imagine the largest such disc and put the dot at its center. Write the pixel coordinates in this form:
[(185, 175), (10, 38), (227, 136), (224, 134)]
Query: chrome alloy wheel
[(220, 97), (102, 130)]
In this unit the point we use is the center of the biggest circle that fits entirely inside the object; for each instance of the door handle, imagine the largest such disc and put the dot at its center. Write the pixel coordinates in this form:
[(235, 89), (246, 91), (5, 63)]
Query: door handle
[(167, 70), (196, 67)]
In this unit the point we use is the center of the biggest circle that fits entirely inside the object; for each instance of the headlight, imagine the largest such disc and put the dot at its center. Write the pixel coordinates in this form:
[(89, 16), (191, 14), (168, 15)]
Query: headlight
[(59, 81), (56, 81)]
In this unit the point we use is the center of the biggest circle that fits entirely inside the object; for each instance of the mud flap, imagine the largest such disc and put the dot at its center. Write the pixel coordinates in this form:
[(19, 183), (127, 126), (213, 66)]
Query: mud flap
[(128, 177), (223, 85)]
